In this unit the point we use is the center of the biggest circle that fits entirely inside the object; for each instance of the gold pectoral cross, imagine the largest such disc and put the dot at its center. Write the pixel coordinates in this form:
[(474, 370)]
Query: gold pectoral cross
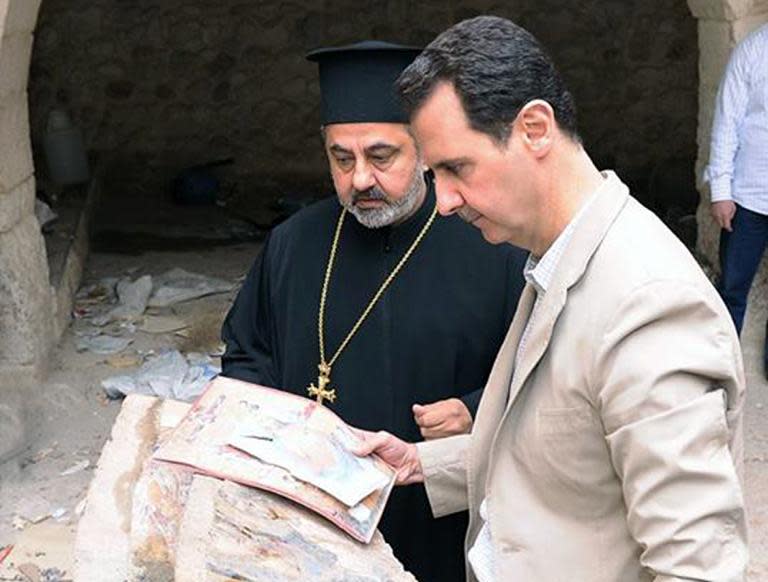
[(323, 379)]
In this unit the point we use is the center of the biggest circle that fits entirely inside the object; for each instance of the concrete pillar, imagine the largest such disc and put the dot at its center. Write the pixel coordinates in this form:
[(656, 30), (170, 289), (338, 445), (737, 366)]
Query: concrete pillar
[(25, 294)]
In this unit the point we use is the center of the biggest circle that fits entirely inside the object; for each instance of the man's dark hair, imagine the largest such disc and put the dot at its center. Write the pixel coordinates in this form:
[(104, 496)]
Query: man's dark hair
[(496, 67)]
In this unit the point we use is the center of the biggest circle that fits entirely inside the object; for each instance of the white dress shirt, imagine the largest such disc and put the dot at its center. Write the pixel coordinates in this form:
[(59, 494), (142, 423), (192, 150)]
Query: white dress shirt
[(738, 159)]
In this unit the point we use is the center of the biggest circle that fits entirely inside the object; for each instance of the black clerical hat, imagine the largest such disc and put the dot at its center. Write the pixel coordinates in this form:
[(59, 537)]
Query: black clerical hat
[(357, 81)]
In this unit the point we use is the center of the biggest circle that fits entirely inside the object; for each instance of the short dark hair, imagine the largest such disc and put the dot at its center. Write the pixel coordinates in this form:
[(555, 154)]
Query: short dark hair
[(495, 67)]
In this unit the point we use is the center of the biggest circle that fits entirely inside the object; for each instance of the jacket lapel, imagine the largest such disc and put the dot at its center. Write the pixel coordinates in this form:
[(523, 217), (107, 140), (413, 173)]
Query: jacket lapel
[(494, 400), (586, 238), (537, 341)]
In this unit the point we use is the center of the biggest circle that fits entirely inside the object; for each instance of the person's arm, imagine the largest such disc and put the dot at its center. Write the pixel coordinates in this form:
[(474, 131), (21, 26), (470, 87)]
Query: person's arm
[(439, 464), (449, 417), (669, 387), (247, 329), (444, 467), (730, 108)]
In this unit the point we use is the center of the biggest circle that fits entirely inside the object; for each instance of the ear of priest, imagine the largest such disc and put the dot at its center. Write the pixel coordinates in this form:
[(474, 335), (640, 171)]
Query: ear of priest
[(371, 302)]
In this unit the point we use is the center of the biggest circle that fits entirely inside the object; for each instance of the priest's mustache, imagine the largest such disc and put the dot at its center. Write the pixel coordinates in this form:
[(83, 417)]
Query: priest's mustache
[(369, 194)]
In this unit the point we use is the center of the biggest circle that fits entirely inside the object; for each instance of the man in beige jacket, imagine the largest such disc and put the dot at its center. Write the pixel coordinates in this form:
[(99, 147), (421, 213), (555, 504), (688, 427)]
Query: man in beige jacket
[(607, 445)]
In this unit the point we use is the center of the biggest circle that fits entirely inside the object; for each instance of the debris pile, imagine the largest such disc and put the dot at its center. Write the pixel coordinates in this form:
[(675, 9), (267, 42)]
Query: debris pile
[(109, 313)]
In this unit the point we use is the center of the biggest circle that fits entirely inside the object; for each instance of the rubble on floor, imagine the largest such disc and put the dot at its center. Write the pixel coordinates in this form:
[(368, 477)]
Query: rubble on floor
[(166, 375), (109, 313)]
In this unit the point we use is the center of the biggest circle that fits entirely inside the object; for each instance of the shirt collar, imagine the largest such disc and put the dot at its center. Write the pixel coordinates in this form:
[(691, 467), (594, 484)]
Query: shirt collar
[(538, 271)]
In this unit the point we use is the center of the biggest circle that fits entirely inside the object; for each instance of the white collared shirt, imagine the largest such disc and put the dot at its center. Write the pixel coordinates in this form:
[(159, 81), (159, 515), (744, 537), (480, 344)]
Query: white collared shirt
[(738, 159), (538, 273)]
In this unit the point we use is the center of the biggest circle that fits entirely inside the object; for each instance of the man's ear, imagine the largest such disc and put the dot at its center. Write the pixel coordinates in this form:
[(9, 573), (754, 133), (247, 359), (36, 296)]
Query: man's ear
[(536, 124)]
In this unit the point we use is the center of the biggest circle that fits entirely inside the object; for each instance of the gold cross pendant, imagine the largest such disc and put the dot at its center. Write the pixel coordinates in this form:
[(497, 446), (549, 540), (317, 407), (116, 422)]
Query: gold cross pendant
[(323, 379)]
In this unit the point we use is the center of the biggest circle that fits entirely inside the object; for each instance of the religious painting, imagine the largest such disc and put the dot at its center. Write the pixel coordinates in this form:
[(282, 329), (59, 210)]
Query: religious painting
[(286, 444)]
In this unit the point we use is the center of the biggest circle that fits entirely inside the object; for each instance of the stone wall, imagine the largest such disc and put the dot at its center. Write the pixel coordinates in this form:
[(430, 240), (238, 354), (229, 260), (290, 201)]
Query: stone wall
[(158, 86)]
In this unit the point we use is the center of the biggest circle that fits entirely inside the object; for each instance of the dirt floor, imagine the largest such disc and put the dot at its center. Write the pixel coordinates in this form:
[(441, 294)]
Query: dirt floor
[(47, 482)]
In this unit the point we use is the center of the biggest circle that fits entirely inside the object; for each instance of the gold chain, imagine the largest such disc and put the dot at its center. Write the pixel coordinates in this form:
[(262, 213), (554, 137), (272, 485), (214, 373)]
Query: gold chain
[(325, 365)]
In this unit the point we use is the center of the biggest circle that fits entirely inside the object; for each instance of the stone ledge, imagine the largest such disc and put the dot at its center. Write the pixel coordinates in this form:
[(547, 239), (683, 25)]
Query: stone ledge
[(77, 255)]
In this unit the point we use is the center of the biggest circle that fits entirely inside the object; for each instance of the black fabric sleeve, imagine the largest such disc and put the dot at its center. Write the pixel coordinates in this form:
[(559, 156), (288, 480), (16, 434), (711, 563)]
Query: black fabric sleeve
[(472, 401), (248, 330)]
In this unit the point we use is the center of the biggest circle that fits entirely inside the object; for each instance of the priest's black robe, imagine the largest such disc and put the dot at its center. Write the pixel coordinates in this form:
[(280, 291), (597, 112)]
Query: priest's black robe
[(433, 335)]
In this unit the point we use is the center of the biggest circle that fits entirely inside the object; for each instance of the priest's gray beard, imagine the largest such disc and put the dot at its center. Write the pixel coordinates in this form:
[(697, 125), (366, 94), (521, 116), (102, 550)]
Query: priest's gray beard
[(394, 210)]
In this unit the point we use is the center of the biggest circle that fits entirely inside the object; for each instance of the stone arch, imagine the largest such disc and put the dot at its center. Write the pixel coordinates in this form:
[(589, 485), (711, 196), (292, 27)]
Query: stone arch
[(25, 295)]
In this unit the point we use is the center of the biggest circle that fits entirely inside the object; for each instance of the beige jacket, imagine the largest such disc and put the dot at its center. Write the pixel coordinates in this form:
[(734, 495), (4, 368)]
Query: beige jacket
[(608, 456)]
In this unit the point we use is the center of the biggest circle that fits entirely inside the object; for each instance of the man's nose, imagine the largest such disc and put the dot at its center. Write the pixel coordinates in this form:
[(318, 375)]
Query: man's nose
[(362, 177), (449, 199)]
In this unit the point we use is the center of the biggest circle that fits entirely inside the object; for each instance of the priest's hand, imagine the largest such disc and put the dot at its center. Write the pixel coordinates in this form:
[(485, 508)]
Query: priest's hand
[(442, 418), (400, 455)]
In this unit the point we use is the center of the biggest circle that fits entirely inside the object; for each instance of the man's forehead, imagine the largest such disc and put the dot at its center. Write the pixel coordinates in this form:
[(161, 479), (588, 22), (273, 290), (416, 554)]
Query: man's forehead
[(442, 129), (366, 134), (441, 111)]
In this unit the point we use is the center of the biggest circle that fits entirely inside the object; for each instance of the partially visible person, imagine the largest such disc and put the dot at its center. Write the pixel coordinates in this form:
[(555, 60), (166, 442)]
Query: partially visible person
[(415, 363), (738, 172), (608, 442)]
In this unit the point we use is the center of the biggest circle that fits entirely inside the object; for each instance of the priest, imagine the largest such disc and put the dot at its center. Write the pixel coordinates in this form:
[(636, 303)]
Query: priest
[(373, 304)]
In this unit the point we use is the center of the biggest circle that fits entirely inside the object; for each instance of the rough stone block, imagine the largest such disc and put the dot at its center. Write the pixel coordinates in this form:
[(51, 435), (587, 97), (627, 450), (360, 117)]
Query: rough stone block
[(716, 41), (16, 160), (15, 52), (25, 296), (103, 537), (142, 522), (711, 71), (744, 26), (736, 9), (720, 9), (289, 539), (17, 204), (20, 15)]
